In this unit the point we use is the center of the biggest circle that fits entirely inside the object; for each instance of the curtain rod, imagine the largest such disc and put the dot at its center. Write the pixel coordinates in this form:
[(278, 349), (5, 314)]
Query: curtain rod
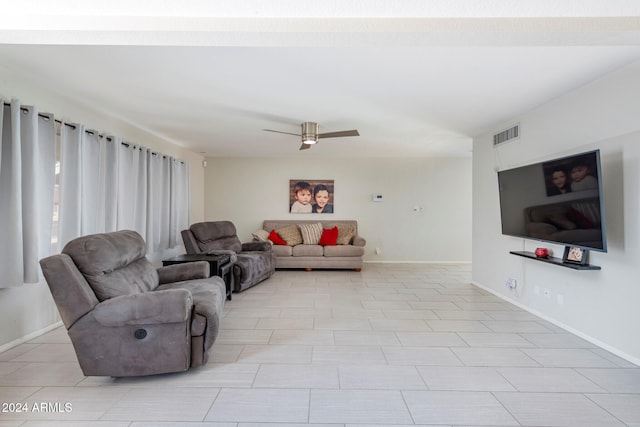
[(44, 116), (90, 132), (71, 125)]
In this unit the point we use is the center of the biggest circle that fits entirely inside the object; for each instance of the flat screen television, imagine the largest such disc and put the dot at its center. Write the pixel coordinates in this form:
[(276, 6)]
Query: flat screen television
[(557, 201)]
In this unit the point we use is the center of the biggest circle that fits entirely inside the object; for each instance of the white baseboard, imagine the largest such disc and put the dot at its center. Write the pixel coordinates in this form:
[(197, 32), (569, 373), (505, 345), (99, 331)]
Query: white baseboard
[(30, 336), (416, 262), (582, 335)]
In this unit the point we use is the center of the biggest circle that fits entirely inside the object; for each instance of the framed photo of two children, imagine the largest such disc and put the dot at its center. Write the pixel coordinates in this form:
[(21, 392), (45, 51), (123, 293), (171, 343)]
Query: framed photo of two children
[(311, 196)]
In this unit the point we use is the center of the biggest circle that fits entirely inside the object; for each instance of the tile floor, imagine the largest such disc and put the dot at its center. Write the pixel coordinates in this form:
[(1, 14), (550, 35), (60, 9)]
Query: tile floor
[(394, 345)]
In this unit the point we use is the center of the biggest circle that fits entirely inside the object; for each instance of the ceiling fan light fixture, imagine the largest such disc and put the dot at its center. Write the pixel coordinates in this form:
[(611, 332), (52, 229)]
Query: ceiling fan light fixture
[(309, 133)]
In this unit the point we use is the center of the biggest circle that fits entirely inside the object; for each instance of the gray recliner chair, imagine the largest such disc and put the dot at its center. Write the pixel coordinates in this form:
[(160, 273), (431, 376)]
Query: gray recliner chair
[(127, 318), (253, 261)]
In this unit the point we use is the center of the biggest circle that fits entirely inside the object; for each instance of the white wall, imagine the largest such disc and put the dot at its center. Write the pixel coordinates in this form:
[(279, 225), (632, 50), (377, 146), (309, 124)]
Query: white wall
[(248, 191), (27, 310), (601, 306)]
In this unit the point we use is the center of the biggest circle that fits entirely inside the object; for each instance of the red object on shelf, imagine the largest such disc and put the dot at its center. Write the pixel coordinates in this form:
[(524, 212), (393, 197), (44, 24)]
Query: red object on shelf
[(542, 252)]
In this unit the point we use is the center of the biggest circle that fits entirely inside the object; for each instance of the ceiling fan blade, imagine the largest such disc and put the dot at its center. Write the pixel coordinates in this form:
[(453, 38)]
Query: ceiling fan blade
[(353, 132), (278, 131), (305, 146)]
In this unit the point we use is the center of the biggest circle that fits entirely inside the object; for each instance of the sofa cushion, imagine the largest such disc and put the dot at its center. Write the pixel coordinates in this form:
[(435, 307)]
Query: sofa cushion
[(282, 250), (275, 224), (329, 236), (345, 234), (311, 233), (343, 251), (290, 234), (307, 250)]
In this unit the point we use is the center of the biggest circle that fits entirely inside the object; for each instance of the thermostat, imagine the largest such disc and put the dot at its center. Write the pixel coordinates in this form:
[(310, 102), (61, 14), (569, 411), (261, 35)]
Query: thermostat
[(376, 197)]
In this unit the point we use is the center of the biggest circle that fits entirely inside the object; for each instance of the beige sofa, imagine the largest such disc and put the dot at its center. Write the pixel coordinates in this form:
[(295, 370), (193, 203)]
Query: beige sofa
[(310, 256)]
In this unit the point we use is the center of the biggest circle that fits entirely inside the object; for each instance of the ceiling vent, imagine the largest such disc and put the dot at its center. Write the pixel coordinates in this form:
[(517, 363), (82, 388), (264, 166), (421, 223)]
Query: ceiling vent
[(507, 135)]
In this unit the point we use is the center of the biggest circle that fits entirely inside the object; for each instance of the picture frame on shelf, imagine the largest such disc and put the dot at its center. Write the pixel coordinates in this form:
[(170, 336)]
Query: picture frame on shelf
[(575, 255)]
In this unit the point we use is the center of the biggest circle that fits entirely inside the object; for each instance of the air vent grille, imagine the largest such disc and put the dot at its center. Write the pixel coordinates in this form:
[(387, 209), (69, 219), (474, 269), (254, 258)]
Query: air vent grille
[(506, 135)]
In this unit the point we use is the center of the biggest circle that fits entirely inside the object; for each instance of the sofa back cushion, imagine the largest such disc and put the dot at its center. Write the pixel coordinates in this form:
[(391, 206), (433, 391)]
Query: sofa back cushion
[(343, 224), (213, 235), (114, 263)]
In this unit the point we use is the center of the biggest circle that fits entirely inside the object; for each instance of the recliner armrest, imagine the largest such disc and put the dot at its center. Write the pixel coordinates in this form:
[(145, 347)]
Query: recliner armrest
[(184, 271), (256, 246), (154, 307), (190, 242)]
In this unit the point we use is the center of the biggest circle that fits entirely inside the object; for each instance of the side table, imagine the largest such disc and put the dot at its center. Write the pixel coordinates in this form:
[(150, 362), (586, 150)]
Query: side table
[(219, 265)]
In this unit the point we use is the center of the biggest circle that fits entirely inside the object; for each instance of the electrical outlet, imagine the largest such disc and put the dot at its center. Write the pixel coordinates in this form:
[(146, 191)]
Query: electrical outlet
[(547, 292), (378, 250), (536, 290), (511, 283), (560, 299)]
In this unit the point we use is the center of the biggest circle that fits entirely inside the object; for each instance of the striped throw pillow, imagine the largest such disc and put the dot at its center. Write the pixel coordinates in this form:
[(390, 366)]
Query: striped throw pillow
[(311, 233)]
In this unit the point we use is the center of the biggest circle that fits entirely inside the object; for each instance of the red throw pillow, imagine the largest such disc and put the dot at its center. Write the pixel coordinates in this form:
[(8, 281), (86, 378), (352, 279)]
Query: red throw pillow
[(276, 239), (329, 237)]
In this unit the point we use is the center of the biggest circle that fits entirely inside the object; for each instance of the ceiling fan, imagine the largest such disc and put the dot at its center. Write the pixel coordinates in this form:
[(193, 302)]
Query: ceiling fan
[(310, 134)]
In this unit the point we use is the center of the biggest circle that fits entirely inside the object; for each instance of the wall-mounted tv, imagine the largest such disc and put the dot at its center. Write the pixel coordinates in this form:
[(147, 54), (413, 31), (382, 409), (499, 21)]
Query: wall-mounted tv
[(557, 201)]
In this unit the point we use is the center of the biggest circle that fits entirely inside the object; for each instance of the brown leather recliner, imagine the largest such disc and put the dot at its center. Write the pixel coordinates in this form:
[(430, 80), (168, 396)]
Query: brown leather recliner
[(253, 261), (127, 318)]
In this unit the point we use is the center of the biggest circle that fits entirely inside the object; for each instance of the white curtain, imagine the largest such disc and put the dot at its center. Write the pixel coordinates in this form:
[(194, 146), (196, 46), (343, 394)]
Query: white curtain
[(121, 186), (104, 185), (132, 188), (180, 201), (91, 218), (168, 202), (27, 180), (109, 185), (82, 183), (70, 212), (158, 204)]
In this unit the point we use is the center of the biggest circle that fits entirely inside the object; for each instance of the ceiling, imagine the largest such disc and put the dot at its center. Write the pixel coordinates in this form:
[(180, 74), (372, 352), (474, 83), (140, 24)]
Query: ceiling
[(416, 78)]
